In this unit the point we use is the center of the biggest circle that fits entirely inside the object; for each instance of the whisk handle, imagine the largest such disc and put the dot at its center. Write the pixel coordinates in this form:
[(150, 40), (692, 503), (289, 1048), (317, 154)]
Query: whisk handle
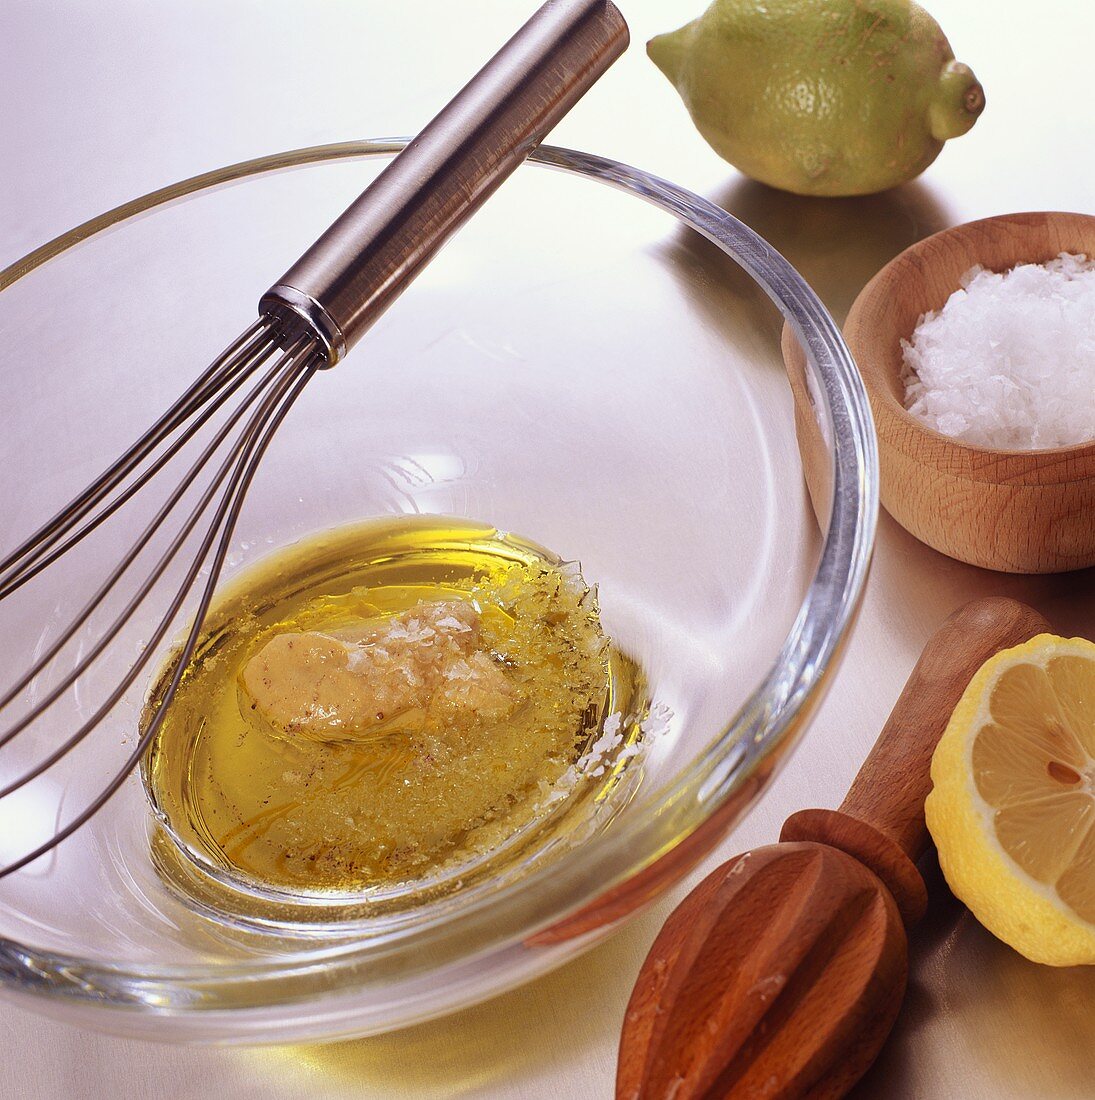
[(339, 287)]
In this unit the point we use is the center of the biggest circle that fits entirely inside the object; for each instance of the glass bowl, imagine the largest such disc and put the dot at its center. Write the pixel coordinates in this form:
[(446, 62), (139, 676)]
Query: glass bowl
[(598, 374)]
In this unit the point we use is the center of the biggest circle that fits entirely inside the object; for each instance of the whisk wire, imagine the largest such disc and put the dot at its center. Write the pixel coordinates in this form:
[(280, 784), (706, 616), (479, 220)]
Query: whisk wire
[(127, 560), (332, 295), (297, 365), (16, 568), (49, 552)]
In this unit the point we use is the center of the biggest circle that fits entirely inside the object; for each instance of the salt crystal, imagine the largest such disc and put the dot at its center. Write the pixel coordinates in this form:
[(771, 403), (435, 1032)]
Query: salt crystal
[(656, 723), (453, 624), (1009, 361)]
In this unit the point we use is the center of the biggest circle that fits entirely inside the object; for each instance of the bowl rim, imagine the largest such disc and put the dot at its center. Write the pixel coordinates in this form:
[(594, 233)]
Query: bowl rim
[(750, 746), (898, 426)]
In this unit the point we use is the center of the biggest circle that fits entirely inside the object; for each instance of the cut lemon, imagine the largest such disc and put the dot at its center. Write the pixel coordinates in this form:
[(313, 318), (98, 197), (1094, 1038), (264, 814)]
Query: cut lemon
[(1012, 809)]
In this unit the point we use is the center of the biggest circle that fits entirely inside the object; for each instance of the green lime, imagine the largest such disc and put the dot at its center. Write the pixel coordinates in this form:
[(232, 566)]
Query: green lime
[(821, 97)]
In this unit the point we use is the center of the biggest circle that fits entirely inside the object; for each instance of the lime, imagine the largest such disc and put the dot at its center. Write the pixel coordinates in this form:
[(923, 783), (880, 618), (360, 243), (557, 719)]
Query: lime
[(821, 97)]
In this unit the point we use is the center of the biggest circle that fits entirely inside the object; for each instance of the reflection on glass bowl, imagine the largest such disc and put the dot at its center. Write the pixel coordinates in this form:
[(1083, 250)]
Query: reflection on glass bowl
[(556, 375)]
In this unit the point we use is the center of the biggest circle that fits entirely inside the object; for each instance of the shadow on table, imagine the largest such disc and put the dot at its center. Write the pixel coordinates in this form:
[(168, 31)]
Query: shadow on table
[(532, 1031), (979, 1008), (837, 245), (1067, 600)]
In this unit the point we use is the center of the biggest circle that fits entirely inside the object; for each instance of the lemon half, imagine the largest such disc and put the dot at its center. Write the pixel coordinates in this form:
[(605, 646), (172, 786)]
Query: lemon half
[(1012, 809)]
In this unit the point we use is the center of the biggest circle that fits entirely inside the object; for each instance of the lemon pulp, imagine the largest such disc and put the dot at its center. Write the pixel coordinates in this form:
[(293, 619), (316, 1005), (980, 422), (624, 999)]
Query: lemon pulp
[(1033, 765)]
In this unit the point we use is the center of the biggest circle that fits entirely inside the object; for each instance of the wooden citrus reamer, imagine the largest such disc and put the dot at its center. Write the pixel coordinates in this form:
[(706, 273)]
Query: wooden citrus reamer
[(782, 973)]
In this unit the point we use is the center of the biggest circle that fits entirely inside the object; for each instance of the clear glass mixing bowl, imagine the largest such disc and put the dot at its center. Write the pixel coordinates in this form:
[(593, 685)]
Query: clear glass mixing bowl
[(599, 374)]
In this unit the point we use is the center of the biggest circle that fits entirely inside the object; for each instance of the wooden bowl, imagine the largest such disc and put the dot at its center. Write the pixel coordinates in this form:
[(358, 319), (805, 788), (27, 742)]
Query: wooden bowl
[(1014, 511)]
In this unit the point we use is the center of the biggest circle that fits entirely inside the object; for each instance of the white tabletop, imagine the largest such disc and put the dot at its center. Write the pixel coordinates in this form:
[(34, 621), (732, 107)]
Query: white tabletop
[(105, 101)]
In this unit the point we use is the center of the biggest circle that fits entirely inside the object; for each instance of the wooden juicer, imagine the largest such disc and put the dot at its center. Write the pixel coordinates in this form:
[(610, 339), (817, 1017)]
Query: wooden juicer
[(781, 974)]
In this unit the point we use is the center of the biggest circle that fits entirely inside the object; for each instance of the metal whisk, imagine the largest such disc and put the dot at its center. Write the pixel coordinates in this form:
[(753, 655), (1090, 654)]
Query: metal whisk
[(307, 321)]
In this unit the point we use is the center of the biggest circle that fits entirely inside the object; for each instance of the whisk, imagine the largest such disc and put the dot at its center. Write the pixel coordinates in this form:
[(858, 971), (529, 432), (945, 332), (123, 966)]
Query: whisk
[(308, 321)]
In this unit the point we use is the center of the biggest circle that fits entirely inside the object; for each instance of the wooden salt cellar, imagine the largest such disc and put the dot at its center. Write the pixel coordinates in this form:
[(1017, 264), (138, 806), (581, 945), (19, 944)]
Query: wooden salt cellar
[(1015, 511)]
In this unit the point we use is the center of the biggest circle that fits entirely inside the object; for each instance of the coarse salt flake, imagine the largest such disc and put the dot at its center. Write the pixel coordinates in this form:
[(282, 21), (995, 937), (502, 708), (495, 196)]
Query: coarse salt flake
[(1009, 361)]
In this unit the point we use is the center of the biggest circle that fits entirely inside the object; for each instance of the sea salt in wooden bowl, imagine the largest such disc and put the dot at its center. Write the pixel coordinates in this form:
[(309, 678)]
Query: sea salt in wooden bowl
[(1016, 511)]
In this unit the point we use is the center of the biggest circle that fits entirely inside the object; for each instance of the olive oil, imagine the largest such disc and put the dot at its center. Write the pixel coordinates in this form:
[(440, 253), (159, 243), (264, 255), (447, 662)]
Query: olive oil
[(420, 798)]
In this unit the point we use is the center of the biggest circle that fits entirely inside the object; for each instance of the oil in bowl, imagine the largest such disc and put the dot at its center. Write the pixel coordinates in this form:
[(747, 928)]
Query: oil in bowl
[(386, 713)]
